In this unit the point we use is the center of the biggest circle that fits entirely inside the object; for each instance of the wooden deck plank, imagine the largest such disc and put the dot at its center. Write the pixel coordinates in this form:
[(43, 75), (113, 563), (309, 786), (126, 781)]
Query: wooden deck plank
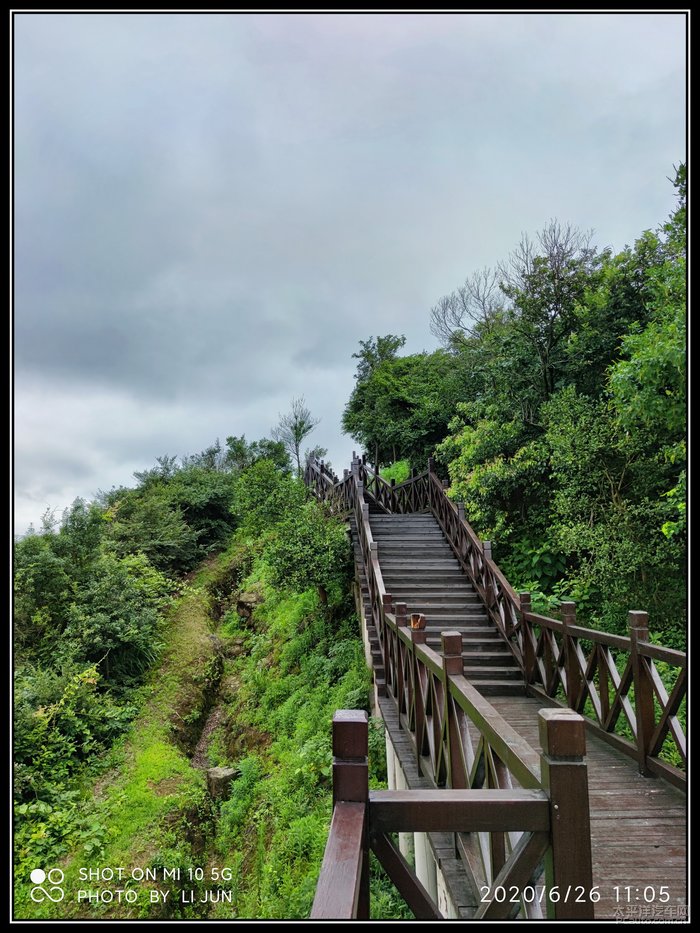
[(638, 824)]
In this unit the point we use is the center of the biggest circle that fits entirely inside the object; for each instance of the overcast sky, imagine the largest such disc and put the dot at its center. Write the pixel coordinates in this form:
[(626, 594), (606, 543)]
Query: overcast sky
[(212, 210)]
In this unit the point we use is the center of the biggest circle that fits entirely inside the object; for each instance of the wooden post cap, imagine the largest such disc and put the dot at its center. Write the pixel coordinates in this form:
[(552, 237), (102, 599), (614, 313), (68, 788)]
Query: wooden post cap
[(568, 612), (562, 733), (451, 643), (350, 733), (636, 619)]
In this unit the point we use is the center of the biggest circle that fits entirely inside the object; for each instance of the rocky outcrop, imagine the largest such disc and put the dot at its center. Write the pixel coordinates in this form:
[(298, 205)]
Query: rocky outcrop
[(219, 782)]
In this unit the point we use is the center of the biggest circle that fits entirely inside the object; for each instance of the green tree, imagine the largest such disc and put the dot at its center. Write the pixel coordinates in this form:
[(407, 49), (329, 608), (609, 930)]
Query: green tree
[(240, 454), (375, 351), (545, 281), (309, 548), (402, 408), (293, 427)]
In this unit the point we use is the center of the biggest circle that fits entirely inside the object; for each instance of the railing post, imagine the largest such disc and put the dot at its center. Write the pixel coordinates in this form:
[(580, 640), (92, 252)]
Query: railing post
[(418, 637), (387, 644), (452, 665), (431, 465), (488, 577), (568, 863), (460, 511), (529, 658), (400, 609), (643, 696), (573, 671), (351, 780)]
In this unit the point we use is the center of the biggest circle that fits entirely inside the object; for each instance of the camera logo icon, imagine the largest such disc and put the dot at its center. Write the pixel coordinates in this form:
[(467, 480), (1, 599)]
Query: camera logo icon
[(54, 877)]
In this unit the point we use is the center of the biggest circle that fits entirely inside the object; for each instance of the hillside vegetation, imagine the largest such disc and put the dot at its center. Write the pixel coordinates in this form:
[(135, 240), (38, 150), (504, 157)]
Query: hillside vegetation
[(556, 409), (203, 619)]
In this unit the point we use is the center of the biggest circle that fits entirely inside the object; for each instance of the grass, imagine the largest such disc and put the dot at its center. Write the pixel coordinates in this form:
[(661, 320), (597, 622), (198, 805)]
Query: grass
[(149, 784), (295, 662)]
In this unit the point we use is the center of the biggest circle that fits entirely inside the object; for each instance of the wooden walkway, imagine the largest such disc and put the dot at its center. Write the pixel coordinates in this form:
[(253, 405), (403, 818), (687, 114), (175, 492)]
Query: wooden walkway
[(417, 556), (638, 824), (638, 827)]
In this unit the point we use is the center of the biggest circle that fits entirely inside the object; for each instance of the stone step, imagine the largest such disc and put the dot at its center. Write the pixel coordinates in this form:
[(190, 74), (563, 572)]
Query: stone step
[(457, 597), (487, 659), (389, 523), (435, 596), (457, 581), (470, 633), (434, 577), (441, 615), (405, 517), (413, 537), (497, 658)]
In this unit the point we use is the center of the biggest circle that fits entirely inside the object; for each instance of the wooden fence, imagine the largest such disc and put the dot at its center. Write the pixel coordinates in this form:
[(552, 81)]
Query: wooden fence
[(614, 681), (521, 836)]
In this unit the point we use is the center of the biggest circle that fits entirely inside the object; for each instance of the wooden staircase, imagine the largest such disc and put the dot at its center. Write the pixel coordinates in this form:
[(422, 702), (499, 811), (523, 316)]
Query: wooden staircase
[(420, 569)]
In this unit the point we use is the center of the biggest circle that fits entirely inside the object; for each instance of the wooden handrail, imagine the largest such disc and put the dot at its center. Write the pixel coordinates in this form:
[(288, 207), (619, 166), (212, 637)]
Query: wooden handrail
[(527, 826), (339, 884)]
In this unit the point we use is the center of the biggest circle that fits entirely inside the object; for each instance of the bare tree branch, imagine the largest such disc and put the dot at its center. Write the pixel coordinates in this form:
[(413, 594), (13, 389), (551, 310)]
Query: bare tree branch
[(473, 306)]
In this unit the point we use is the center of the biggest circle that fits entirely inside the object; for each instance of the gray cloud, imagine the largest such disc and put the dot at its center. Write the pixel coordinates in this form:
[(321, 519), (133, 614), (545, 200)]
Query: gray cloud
[(211, 210)]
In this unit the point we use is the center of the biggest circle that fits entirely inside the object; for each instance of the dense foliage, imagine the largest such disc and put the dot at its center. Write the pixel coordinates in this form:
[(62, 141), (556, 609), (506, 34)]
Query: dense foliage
[(89, 601), (101, 598), (558, 411)]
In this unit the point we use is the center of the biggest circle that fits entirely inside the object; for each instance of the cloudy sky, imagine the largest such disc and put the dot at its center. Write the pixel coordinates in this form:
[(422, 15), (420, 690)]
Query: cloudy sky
[(212, 210)]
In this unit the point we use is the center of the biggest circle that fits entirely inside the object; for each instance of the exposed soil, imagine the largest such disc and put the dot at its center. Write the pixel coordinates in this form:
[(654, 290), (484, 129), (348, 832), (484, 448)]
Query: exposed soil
[(200, 757), (165, 787)]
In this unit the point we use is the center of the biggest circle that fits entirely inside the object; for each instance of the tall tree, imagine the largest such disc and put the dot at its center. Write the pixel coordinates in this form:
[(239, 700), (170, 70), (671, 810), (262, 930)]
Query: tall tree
[(374, 352), (293, 427), (546, 280), (468, 312), (402, 408)]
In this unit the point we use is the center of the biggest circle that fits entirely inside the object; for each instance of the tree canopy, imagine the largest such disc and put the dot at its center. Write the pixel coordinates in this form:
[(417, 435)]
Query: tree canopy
[(557, 407)]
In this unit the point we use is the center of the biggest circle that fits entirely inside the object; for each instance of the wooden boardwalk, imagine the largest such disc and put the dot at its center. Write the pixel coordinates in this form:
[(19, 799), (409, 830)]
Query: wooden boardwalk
[(638, 824), (464, 673), (638, 827)]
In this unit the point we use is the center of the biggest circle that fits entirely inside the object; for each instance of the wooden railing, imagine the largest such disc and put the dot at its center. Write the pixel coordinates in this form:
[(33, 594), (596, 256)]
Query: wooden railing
[(613, 680), (527, 831)]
